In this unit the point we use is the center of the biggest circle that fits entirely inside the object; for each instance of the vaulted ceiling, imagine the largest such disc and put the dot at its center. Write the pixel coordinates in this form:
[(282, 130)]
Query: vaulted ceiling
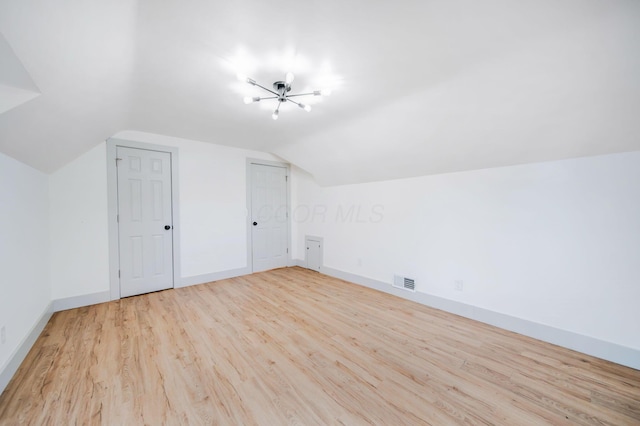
[(419, 86)]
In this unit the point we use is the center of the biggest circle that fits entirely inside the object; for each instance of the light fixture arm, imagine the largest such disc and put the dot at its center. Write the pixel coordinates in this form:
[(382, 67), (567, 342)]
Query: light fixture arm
[(264, 88), (276, 113), (305, 94)]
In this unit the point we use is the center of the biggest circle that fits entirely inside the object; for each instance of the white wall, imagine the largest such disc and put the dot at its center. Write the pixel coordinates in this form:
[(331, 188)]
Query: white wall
[(556, 243), (78, 222), (24, 260), (213, 207)]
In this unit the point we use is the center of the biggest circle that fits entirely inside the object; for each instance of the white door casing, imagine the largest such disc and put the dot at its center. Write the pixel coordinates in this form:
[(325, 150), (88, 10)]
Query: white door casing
[(269, 216), (145, 222)]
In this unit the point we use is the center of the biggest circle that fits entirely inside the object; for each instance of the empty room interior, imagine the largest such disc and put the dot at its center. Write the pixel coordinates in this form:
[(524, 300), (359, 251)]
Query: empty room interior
[(320, 212)]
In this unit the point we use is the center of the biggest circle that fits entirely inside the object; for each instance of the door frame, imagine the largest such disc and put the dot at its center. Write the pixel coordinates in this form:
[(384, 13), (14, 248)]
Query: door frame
[(287, 167), (112, 209)]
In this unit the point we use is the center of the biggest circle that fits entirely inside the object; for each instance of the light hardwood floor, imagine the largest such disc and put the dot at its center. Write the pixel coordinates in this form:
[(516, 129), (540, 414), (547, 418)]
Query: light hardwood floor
[(292, 346)]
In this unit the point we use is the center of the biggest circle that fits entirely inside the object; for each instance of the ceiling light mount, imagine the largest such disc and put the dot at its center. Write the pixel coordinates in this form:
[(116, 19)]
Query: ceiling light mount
[(282, 88), (280, 92)]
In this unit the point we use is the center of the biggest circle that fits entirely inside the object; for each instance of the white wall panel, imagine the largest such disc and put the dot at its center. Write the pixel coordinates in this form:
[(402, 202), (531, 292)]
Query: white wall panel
[(78, 220), (25, 290)]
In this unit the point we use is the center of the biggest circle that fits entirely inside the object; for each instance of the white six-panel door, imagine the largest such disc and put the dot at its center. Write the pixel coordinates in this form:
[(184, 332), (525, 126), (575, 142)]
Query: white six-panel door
[(269, 217), (144, 213)]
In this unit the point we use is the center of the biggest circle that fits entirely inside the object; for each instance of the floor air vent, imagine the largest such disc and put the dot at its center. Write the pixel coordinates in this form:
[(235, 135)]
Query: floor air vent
[(404, 283)]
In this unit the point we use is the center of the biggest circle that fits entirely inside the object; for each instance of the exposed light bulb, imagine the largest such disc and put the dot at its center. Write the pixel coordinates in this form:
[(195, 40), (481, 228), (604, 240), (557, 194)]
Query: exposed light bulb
[(289, 78), (306, 107), (325, 92), (247, 100), (275, 115)]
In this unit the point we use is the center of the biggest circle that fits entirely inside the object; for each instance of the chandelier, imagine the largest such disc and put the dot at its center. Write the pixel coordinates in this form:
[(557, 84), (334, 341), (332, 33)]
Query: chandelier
[(280, 92)]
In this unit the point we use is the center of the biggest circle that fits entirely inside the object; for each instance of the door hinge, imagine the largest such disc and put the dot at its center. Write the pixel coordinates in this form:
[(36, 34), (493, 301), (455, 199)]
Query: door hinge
[(118, 159), (118, 218), (118, 273), (286, 178), (287, 250)]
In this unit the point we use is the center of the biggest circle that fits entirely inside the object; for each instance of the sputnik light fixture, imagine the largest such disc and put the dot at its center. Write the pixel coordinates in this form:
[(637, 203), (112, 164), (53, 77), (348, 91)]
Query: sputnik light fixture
[(280, 92)]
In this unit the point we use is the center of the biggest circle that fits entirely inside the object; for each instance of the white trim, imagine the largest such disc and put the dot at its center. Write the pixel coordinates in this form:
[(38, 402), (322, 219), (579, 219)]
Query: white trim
[(286, 166), (214, 276), (609, 351), (80, 301), (298, 262), (112, 202), (19, 354)]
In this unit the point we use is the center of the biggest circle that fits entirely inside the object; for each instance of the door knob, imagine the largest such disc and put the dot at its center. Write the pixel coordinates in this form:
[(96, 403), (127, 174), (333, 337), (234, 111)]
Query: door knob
[(255, 223), (167, 227)]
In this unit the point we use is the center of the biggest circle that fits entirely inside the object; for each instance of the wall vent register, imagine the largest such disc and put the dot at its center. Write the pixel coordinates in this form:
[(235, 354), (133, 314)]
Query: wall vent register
[(404, 283)]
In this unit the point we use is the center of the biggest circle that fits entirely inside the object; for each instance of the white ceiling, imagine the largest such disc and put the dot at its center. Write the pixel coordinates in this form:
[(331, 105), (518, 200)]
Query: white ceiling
[(420, 87)]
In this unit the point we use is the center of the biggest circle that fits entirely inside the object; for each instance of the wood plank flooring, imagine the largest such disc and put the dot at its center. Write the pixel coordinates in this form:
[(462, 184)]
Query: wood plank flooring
[(292, 346)]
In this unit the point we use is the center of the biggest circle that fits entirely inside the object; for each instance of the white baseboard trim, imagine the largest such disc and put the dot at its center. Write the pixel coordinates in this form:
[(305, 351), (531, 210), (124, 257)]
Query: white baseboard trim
[(588, 345), (19, 354), (80, 301), (215, 276), (298, 262)]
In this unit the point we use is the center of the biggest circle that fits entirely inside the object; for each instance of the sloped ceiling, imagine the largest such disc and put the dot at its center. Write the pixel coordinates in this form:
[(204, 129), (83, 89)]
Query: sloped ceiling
[(16, 87), (419, 87)]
